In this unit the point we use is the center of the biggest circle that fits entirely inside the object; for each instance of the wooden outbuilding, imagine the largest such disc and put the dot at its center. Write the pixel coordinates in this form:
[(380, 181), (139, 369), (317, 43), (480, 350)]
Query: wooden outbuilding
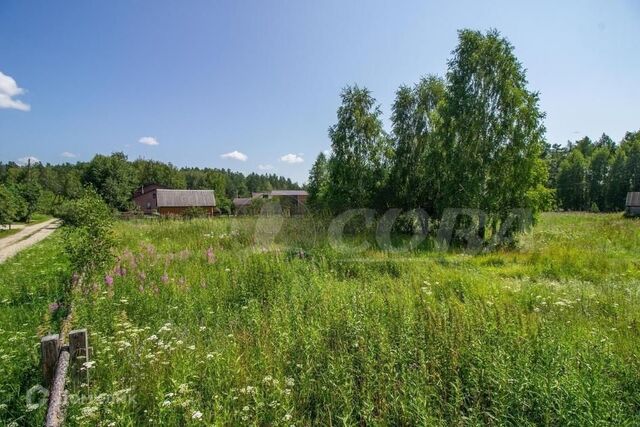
[(292, 201), (155, 199), (632, 206)]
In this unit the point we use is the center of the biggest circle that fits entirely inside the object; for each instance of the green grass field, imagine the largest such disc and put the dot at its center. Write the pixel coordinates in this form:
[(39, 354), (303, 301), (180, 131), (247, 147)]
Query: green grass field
[(198, 325), (201, 326)]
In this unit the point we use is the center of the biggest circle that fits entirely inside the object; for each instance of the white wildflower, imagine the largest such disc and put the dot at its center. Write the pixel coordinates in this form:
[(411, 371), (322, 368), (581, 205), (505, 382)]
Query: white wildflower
[(196, 415)]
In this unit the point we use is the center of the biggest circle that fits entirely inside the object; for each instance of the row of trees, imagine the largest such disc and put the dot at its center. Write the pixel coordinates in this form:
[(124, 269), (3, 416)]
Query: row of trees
[(473, 139), (24, 189), (595, 175), (20, 198)]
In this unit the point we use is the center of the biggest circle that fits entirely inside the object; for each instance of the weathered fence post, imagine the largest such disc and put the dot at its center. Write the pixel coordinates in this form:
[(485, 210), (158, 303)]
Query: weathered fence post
[(79, 352), (57, 394), (49, 351)]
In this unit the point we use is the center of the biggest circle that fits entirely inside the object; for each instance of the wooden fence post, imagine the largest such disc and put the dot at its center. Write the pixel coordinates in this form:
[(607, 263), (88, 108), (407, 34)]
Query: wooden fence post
[(57, 393), (79, 352), (49, 351)]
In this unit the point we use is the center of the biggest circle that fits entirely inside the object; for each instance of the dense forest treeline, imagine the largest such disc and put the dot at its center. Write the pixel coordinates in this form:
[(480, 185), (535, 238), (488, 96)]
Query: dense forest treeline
[(594, 175), (27, 188)]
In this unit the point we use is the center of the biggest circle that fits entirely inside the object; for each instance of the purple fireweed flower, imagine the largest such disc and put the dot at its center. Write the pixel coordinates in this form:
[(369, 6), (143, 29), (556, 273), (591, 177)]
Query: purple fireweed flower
[(141, 288), (53, 307), (165, 278), (211, 257), (75, 278), (142, 275), (108, 280), (181, 281)]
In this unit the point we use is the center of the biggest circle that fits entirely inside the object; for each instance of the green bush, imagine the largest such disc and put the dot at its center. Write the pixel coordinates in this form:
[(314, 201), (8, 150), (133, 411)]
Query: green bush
[(88, 232)]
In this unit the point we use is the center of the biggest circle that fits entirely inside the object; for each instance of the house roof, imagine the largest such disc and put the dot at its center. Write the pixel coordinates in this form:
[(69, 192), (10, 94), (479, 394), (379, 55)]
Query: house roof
[(633, 198), (289, 193), (145, 189), (242, 201), (185, 198), (276, 193)]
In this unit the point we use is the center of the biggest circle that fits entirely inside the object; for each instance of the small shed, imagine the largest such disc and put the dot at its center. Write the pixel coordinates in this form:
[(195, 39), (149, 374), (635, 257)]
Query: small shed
[(632, 206)]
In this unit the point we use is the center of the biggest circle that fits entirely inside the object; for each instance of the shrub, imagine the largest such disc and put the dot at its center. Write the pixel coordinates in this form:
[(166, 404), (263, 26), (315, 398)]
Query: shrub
[(88, 232)]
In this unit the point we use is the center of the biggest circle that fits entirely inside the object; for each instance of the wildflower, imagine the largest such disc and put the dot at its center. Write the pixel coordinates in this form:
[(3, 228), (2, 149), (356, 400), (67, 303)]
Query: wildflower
[(141, 288), (108, 280), (245, 409), (166, 403), (211, 257), (290, 382), (152, 338), (53, 307), (89, 365), (192, 347), (165, 278), (32, 406), (142, 275), (267, 379), (287, 417), (202, 328)]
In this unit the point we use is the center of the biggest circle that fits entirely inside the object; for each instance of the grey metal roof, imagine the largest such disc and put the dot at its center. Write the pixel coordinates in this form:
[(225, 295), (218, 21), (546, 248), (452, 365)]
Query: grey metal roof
[(633, 198), (289, 193), (242, 201), (185, 198)]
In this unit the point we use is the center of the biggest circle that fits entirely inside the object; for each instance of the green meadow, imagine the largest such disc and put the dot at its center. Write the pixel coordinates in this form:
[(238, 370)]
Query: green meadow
[(200, 323)]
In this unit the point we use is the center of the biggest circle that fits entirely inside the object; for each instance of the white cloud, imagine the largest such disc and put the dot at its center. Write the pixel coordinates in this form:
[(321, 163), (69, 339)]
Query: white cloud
[(25, 160), (148, 140), (235, 155), (327, 152), (291, 158), (265, 167), (68, 154), (8, 90)]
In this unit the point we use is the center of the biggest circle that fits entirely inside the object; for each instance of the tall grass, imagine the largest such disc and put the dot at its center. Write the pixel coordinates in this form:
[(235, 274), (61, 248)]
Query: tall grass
[(33, 300), (200, 323)]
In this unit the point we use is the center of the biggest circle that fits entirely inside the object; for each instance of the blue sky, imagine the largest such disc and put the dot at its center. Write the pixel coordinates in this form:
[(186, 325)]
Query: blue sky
[(206, 78)]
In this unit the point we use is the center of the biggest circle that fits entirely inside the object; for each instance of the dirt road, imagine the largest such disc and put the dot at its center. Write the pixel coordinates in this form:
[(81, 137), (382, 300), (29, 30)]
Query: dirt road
[(30, 235)]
